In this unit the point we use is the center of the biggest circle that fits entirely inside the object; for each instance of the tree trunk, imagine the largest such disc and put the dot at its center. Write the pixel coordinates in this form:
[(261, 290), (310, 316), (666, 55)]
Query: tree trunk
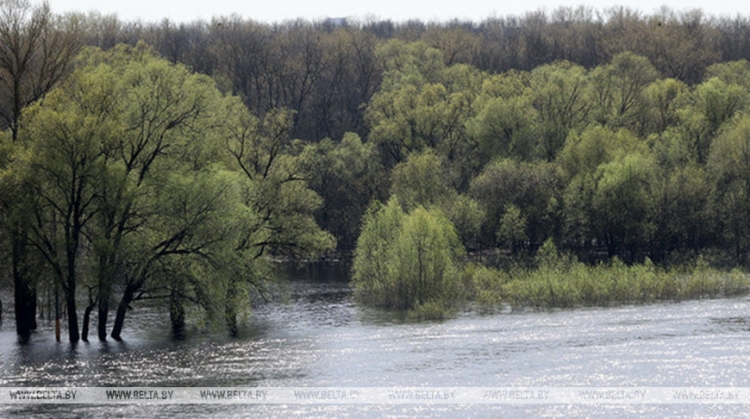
[(177, 315), (24, 294), (103, 303), (230, 310), (230, 315), (70, 291), (101, 326), (122, 308), (70, 294), (25, 309), (86, 319)]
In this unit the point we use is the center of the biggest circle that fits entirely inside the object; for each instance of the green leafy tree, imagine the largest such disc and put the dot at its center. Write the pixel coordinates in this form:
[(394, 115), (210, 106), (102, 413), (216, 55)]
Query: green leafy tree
[(160, 164), (618, 91), (729, 168), (420, 104), (662, 97), (533, 188), (421, 181), (347, 177), (681, 192), (623, 210), (16, 216), (512, 230), (731, 72), (706, 109), (276, 191), (595, 146), (560, 97), (407, 261), (506, 127), (467, 215)]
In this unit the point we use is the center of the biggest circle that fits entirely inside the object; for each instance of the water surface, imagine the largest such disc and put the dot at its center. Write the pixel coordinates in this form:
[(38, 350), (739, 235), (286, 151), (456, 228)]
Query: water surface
[(320, 337)]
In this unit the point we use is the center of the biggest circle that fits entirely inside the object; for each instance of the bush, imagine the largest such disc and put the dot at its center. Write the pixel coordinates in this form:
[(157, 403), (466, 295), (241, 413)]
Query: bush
[(564, 282), (408, 261)]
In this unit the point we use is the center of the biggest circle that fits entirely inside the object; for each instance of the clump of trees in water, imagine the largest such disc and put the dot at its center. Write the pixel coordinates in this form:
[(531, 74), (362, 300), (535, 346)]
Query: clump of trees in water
[(177, 171), (408, 261), (139, 179)]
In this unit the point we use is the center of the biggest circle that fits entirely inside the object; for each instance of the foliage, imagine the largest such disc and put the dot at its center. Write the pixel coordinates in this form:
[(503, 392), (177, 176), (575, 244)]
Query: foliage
[(558, 282), (407, 261), (619, 136), (174, 190)]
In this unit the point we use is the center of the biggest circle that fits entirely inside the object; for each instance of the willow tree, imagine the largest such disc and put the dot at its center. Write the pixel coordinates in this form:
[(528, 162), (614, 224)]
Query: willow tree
[(135, 175), (407, 261)]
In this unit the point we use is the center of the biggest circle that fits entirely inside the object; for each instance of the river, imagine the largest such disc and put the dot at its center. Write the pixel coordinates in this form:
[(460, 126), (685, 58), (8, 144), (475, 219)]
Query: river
[(320, 337)]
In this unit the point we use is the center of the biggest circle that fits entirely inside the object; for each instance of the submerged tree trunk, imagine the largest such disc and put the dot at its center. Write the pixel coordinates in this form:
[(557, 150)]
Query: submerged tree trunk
[(70, 296), (230, 316), (86, 319), (105, 292), (24, 293), (101, 326), (122, 308), (230, 310), (25, 297), (177, 314)]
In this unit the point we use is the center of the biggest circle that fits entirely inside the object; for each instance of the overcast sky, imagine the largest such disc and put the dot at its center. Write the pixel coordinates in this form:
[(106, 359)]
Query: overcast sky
[(397, 10)]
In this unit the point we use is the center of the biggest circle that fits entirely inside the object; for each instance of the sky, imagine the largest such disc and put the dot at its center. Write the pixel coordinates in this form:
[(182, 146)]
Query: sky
[(396, 10)]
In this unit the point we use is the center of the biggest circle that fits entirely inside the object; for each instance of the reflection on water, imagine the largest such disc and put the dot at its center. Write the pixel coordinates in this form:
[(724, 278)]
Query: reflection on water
[(320, 337)]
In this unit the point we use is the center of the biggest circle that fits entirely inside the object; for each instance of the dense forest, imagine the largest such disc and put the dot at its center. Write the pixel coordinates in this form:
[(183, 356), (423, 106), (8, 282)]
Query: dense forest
[(176, 162)]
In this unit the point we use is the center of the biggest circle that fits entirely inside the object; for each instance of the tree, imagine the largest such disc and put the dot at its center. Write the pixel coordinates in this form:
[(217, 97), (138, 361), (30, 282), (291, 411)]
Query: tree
[(466, 214), (596, 145), (66, 160), (421, 103), (457, 44), (38, 48), (623, 210), (729, 168), (347, 177), (662, 96), (706, 108), (421, 181), (618, 89), (560, 98), (507, 128), (276, 191), (15, 210), (166, 131), (512, 230), (406, 261), (533, 188)]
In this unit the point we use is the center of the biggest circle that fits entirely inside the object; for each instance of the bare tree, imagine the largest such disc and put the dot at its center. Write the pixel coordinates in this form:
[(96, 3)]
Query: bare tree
[(36, 49)]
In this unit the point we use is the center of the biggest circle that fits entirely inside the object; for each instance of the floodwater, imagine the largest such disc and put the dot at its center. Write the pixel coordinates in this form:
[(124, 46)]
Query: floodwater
[(319, 337)]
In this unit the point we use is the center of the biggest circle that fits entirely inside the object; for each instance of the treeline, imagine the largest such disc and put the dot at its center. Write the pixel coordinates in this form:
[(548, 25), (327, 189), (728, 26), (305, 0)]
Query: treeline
[(612, 161), (330, 73), (327, 70), (176, 173)]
